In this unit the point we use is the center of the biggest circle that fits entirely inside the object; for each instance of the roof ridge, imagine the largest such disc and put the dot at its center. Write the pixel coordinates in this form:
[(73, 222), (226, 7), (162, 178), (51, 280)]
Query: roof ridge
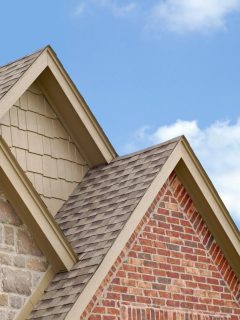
[(135, 153), (24, 57)]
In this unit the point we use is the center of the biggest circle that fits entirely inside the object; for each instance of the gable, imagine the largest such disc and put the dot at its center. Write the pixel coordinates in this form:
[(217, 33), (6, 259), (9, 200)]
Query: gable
[(22, 263), (106, 209), (92, 219), (43, 147), (44, 66), (171, 261)]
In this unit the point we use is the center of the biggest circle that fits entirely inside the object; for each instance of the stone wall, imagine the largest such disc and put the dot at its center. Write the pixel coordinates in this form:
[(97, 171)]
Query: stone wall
[(171, 268), (21, 262)]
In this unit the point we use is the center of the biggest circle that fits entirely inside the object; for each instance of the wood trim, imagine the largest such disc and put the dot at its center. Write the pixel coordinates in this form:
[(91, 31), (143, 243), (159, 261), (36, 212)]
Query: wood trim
[(23, 83), (210, 205), (36, 295), (209, 191), (34, 212), (80, 106)]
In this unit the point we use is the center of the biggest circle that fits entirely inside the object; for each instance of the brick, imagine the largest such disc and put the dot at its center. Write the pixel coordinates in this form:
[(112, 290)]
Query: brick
[(170, 266)]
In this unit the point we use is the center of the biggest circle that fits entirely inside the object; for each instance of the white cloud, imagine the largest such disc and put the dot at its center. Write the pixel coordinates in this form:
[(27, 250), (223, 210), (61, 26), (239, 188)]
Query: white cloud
[(112, 5), (217, 147), (192, 15)]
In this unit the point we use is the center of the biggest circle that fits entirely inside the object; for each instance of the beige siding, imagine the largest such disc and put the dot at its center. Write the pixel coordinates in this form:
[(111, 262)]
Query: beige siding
[(43, 147)]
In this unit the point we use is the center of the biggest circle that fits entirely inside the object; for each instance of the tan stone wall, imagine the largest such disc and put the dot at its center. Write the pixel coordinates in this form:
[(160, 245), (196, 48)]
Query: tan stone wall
[(21, 263), (43, 147)]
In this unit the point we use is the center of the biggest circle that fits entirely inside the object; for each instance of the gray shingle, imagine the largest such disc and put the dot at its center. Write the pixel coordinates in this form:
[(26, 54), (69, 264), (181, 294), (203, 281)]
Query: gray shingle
[(12, 72), (93, 217)]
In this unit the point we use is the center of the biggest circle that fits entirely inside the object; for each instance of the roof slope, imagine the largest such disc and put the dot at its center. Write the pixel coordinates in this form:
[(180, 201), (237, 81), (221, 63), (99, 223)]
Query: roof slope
[(93, 217), (12, 72)]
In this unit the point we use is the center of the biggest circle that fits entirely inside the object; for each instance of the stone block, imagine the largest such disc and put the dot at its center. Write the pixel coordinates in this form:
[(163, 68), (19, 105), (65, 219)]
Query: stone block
[(19, 261), (9, 235), (3, 299), (5, 259), (25, 244), (16, 281), (15, 302), (7, 214), (11, 315), (36, 264), (3, 314)]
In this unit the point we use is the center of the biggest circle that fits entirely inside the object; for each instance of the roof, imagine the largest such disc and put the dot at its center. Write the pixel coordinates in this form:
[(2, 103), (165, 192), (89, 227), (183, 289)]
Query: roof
[(12, 72), (93, 217), (45, 67)]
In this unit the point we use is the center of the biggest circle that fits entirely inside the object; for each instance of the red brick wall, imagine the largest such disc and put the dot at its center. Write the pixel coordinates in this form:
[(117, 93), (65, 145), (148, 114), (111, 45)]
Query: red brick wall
[(171, 268)]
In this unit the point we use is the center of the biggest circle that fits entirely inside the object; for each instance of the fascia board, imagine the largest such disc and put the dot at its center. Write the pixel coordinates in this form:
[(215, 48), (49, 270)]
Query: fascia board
[(80, 107), (210, 194), (21, 187)]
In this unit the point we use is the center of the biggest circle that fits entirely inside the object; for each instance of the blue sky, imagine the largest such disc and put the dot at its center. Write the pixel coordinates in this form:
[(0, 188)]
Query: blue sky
[(149, 70)]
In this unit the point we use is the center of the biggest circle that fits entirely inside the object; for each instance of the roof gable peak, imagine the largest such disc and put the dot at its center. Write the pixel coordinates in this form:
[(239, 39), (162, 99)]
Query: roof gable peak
[(44, 66)]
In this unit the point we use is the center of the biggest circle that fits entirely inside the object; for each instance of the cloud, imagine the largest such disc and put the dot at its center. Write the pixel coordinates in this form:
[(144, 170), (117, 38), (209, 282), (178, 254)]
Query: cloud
[(119, 10), (217, 147), (192, 15)]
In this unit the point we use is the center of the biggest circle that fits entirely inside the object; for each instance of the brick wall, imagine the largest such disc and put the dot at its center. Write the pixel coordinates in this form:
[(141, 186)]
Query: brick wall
[(21, 262), (43, 147), (171, 268)]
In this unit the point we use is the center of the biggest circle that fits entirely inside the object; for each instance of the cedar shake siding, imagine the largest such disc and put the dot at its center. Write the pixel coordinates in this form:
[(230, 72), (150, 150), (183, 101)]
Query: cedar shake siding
[(171, 268), (43, 148), (22, 263)]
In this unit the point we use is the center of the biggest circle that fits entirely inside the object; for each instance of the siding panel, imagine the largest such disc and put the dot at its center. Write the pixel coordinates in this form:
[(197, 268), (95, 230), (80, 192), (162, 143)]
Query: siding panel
[(43, 147)]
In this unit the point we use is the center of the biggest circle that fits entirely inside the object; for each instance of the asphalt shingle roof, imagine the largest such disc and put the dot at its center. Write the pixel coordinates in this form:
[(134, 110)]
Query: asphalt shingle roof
[(93, 217), (12, 72)]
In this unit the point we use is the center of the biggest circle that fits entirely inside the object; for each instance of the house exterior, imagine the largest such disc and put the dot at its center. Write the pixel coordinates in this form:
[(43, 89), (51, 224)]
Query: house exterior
[(86, 234)]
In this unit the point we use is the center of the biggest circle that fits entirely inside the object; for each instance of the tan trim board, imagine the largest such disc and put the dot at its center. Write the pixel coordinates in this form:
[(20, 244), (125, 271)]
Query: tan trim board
[(124, 236), (23, 83), (36, 295), (77, 101), (210, 205), (210, 194), (34, 213)]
